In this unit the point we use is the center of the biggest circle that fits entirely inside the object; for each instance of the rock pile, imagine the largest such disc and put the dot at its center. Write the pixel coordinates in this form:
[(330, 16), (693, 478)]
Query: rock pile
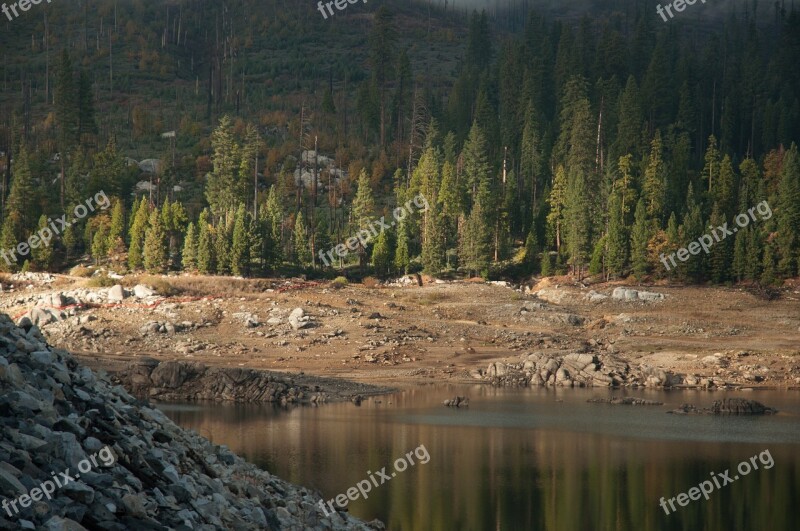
[(191, 381), (576, 370), (626, 401), (54, 413), (728, 406)]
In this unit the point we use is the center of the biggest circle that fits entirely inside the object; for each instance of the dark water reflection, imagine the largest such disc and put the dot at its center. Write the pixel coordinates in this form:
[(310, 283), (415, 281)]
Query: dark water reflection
[(526, 459)]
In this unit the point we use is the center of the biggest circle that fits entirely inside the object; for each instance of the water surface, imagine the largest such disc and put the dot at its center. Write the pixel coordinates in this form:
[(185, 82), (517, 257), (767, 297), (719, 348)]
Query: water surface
[(527, 459)]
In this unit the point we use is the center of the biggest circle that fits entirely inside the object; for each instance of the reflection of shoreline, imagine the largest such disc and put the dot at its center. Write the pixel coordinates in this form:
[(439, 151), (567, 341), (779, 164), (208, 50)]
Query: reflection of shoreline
[(482, 477)]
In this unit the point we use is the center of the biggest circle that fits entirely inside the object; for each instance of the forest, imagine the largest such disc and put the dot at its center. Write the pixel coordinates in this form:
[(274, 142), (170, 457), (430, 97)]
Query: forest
[(582, 145)]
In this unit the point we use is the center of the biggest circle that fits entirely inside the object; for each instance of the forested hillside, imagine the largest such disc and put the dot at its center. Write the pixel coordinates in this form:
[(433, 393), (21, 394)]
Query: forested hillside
[(251, 137)]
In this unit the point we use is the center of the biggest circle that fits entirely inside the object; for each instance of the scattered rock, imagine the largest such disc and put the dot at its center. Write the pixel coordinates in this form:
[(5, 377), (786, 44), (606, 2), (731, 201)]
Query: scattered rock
[(727, 406), (458, 401)]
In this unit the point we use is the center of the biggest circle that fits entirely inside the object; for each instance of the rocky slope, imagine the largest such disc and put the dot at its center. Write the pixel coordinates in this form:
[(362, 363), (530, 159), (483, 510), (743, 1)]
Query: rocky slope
[(56, 417)]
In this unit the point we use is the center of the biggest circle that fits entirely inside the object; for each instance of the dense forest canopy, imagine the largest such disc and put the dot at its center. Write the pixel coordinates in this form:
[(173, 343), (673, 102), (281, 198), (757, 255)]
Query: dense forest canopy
[(248, 137)]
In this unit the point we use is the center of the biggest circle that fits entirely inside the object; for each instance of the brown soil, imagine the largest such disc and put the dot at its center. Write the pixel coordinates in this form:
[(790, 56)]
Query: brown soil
[(438, 332)]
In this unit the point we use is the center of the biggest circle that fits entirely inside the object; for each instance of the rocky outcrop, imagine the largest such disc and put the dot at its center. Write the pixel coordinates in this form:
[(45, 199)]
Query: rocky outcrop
[(576, 370), (55, 413), (626, 401), (627, 294), (727, 406), (458, 401)]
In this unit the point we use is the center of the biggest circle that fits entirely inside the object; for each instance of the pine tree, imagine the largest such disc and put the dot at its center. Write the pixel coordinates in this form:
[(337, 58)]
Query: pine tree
[(100, 243), (617, 239), (9, 242), (240, 247), (474, 245), (222, 246), (402, 255), (382, 254), (754, 258), (363, 209), (43, 254), (557, 200), (276, 215), (654, 189), (719, 259), (85, 100), (576, 222), (21, 198), (190, 249), (155, 245), (222, 186), (323, 242), (740, 254), (116, 232), (788, 213), (206, 262), (546, 265), (302, 251), (137, 235), (640, 237), (532, 250)]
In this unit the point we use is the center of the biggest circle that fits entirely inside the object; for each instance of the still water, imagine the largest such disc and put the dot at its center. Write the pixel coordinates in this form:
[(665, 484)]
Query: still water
[(527, 459)]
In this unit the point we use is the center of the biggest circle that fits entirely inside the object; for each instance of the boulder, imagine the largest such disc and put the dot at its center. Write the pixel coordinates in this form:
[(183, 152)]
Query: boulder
[(141, 291), (116, 294)]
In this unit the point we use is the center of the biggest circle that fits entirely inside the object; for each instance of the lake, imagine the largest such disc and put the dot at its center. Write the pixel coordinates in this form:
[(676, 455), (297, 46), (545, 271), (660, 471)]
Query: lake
[(519, 459)]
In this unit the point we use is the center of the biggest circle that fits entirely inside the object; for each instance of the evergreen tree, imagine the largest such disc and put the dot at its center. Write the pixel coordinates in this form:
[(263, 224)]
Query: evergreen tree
[(531, 250), (617, 240), (276, 216), (137, 235), (640, 237), (86, 114), (206, 261), (222, 184), (100, 242), (654, 189), (21, 198), (402, 255), (116, 232), (576, 222), (302, 250), (240, 247), (546, 265), (382, 254), (155, 245), (720, 257), (43, 254), (222, 246), (9, 242), (788, 214), (190, 249), (740, 254), (557, 201), (474, 245)]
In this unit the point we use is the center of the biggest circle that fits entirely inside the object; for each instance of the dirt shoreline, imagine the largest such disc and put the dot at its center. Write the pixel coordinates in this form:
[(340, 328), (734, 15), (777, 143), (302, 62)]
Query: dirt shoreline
[(403, 335)]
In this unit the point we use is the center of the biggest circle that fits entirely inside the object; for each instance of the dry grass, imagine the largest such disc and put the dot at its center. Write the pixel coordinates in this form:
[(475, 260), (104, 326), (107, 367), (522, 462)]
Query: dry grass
[(370, 282), (81, 271), (339, 282)]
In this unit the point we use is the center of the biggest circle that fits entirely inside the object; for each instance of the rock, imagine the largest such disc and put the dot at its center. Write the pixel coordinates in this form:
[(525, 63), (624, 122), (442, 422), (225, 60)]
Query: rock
[(651, 296), (298, 319), (116, 294), (627, 400), (624, 294), (458, 401), (727, 406), (57, 523), (141, 291)]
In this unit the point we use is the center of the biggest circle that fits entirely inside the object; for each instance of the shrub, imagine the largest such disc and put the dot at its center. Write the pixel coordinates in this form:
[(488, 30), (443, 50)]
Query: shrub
[(81, 271), (339, 282), (370, 282), (101, 281)]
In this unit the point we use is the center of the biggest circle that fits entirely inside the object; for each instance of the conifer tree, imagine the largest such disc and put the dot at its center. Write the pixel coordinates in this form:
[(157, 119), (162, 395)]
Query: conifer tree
[(240, 247), (100, 242), (206, 262), (222, 246), (302, 251), (617, 240), (640, 236), (116, 231), (557, 200), (719, 259), (654, 191), (739, 265), (382, 254), (532, 250), (787, 214), (190, 249), (402, 255), (43, 254), (137, 235), (474, 245), (8, 240), (155, 245)]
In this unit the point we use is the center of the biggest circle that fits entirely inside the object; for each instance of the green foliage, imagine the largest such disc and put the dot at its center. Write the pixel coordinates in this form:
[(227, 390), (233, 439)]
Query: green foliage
[(206, 262), (137, 235), (382, 254), (155, 245), (190, 249), (240, 247)]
